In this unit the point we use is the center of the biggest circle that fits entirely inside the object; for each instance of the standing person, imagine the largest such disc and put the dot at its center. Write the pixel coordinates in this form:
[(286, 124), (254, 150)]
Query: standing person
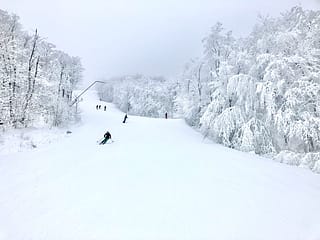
[(105, 108), (97, 107), (166, 115), (106, 136), (125, 118)]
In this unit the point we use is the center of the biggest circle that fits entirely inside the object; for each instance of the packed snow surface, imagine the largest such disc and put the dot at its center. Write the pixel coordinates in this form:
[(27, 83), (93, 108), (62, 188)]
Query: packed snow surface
[(158, 180)]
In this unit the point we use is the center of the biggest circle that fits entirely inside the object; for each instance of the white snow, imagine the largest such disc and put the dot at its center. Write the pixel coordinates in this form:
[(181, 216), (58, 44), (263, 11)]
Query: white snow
[(158, 180), (19, 140)]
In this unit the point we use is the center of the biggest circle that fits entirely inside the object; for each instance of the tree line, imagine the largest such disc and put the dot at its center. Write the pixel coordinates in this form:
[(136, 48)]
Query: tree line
[(257, 94), (36, 80)]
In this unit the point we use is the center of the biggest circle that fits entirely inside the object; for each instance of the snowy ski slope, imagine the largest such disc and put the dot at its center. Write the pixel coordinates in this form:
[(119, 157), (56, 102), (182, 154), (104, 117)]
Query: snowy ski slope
[(158, 180)]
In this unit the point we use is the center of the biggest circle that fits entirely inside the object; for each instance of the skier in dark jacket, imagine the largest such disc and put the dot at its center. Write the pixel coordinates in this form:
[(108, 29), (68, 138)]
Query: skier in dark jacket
[(106, 136), (125, 119)]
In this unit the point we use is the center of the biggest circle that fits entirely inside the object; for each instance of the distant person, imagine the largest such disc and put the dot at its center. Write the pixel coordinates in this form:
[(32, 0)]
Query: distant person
[(106, 136), (105, 108), (166, 115), (125, 118), (97, 107)]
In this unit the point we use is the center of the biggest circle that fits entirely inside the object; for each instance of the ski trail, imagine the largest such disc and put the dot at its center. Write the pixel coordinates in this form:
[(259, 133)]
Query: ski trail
[(158, 180)]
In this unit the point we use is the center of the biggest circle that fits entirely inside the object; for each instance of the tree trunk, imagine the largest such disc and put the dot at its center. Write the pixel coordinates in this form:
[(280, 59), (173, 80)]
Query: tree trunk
[(31, 78)]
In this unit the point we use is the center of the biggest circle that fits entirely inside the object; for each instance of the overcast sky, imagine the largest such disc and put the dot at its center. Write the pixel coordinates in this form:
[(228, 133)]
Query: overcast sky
[(153, 37)]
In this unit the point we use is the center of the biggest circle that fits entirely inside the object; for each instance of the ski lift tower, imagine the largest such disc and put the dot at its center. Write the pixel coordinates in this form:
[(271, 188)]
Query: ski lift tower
[(76, 100)]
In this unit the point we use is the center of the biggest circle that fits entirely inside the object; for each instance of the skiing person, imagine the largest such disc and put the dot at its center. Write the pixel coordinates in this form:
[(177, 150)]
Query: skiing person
[(105, 107), (106, 136), (125, 118), (97, 107), (166, 115)]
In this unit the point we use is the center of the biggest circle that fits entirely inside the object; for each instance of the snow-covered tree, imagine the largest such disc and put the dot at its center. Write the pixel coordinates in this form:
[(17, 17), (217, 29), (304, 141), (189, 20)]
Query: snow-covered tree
[(36, 80), (259, 93), (140, 95)]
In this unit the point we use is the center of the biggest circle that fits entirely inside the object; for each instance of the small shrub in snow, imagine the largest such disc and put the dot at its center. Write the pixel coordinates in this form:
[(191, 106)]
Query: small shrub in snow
[(310, 159), (289, 157), (316, 167)]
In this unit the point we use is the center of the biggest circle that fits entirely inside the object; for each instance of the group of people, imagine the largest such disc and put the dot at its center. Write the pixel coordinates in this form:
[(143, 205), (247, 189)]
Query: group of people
[(99, 107)]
